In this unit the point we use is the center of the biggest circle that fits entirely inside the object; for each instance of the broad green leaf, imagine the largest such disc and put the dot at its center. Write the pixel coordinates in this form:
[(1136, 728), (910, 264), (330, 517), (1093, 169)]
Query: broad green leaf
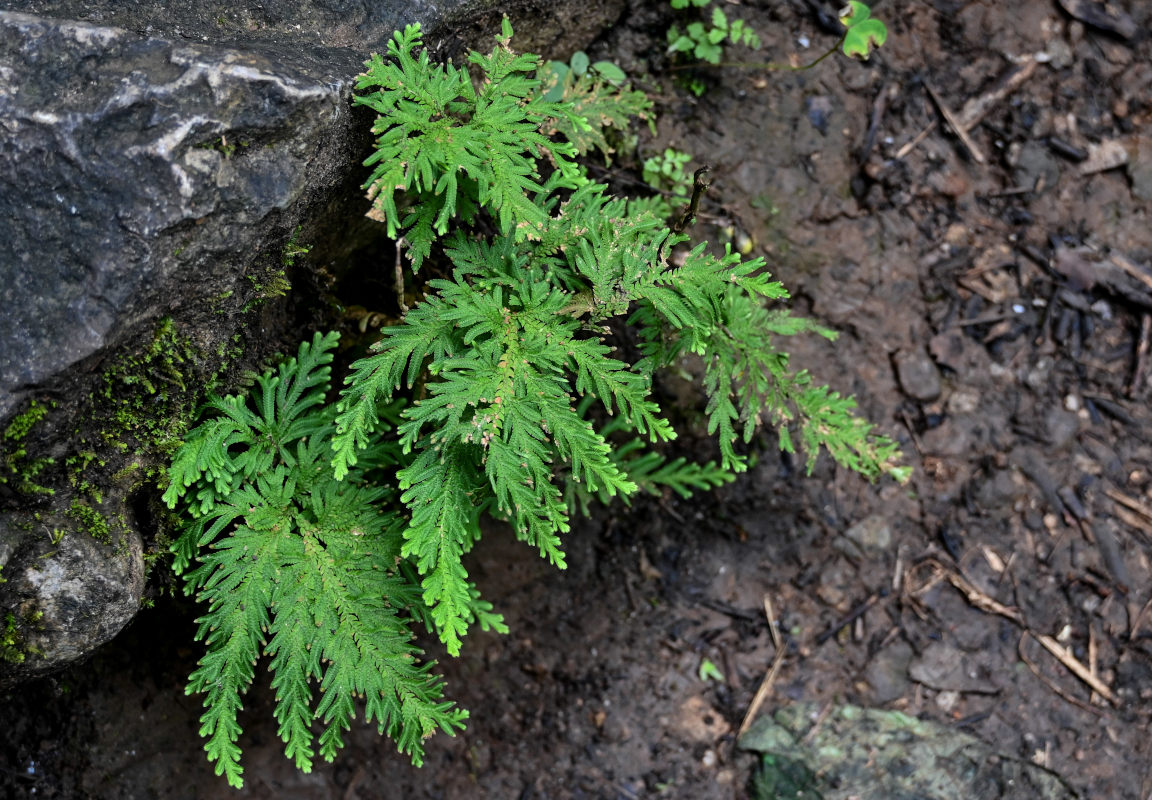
[(580, 62), (610, 72), (863, 32)]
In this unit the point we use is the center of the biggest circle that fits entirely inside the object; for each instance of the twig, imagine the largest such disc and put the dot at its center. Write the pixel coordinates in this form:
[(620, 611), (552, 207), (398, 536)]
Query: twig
[(1133, 521), (916, 140), (1141, 367), (1124, 263), (879, 106), (955, 124), (823, 715), (1092, 657), (977, 597), (1048, 681), (770, 678), (1078, 669), (983, 601), (1130, 502), (977, 108), (852, 616), (701, 180), (398, 277)]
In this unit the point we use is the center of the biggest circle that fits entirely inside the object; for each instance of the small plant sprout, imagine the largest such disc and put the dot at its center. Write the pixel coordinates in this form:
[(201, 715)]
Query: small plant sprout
[(710, 672), (862, 32)]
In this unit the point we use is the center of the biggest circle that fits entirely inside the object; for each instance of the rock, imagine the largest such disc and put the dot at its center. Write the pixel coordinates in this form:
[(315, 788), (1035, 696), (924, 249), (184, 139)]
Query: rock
[(151, 145), (1061, 426), (67, 597), (887, 673), (918, 376), (158, 158), (866, 754), (135, 165), (945, 668), (873, 533), (1035, 166)]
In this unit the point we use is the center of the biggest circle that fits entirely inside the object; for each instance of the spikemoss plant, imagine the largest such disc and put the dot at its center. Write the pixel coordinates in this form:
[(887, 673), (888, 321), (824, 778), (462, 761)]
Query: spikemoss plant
[(323, 530)]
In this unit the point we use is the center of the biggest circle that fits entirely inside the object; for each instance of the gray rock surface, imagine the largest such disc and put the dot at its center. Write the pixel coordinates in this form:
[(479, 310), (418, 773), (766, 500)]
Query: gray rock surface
[(133, 165), (918, 376), (155, 158), (67, 597), (855, 753)]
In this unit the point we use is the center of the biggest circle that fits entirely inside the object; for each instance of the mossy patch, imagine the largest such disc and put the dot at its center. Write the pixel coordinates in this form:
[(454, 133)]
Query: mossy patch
[(16, 468), (146, 397), (14, 648)]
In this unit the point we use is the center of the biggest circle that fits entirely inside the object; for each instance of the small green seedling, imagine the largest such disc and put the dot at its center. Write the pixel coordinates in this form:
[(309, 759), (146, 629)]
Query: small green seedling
[(707, 43), (710, 672), (863, 30), (555, 76), (666, 174)]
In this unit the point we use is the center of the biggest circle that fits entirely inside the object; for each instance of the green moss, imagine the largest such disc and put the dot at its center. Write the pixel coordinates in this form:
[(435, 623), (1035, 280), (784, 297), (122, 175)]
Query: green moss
[(268, 282), (148, 403), (13, 647), (91, 520), (16, 468)]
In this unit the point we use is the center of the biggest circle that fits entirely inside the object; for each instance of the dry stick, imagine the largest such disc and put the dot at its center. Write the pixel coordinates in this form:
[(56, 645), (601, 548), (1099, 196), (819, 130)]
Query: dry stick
[(977, 108), (1133, 521), (1124, 263), (1078, 669), (1048, 681), (1092, 657), (766, 685), (398, 277), (983, 601), (1141, 356), (954, 124), (1130, 502), (853, 615)]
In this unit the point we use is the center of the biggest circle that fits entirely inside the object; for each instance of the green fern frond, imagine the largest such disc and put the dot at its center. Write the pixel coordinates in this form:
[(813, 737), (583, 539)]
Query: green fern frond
[(297, 566), (449, 146)]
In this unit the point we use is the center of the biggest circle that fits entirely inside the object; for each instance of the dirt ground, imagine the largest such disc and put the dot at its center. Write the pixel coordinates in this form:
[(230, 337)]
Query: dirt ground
[(994, 298)]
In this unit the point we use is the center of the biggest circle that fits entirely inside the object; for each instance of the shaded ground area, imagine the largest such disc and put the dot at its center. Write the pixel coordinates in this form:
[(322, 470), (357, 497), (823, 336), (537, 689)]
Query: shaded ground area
[(994, 303)]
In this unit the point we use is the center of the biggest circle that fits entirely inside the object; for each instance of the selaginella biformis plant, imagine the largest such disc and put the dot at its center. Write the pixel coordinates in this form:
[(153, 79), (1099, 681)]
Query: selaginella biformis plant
[(322, 530)]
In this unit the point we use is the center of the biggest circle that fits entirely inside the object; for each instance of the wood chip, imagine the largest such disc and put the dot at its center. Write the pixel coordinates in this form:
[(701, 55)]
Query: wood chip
[(1130, 502), (994, 561), (978, 107), (1104, 156)]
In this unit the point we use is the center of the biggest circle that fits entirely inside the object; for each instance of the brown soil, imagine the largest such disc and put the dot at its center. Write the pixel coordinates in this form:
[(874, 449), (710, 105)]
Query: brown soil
[(984, 323)]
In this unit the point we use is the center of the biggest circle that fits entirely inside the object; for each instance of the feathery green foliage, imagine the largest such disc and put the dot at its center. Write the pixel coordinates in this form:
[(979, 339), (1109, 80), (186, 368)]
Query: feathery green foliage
[(301, 568), (503, 348), (319, 532), (599, 94)]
